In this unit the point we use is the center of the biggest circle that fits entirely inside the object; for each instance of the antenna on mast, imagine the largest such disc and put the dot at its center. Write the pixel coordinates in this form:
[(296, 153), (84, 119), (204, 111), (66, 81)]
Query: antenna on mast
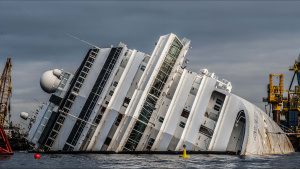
[(83, 41)]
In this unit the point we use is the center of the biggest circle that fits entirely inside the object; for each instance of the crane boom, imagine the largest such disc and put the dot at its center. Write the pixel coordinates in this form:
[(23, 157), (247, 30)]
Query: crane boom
[(5, 90)]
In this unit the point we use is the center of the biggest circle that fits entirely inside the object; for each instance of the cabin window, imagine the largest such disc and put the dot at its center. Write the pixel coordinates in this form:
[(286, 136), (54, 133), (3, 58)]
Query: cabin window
[(66, 110), (58, 92), (66, 75), (78, 85), (98, 118), (111, 92), (85, 69), (185, 113), (83, 74), (107, 141), (88, 64), (218, 101), (217, 108), (161, 119), (206, 131), (117, 122), (182, 124), (151, 141), (158, 84), (115, 84), (64, 81), (103, 109), (162, 76), (72, 97), (76, 90), (155, 92), (68, 104), (91, 59), (198, 80), (118, 119), (143, 67), (126, 102)]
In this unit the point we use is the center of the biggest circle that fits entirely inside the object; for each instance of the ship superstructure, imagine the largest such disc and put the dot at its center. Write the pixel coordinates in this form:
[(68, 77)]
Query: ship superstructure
[(125, 100)]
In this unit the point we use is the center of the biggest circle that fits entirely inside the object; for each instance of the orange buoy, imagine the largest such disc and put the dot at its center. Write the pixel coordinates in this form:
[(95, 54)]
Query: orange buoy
[(37, 156)]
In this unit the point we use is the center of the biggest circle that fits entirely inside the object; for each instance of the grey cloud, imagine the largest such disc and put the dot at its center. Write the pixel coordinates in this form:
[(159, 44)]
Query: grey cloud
[(240, 41)]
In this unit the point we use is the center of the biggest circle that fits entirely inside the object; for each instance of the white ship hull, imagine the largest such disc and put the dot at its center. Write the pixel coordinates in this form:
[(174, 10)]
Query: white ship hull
[(125, 100)]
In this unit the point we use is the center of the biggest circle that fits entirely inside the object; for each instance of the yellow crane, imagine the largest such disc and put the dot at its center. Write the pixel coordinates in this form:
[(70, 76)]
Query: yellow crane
[(286, 107), (293, 101), (275, 96), (5, 92)]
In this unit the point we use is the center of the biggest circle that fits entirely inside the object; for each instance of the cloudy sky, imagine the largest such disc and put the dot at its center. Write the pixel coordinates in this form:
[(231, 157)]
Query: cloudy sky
[(242, 42)]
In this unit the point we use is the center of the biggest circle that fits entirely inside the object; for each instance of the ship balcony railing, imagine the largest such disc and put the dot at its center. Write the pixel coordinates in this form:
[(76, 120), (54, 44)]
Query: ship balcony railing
[(93, 56), (64, 108), (55, 131), (126, 149), (85, 69), (59, 123), (70, 101), (132, 141), (137, 131), (57, 127), (47, 147), (49, 143), (51, 138), (64, 115), (53, 135), (63, 111), (61, 119)]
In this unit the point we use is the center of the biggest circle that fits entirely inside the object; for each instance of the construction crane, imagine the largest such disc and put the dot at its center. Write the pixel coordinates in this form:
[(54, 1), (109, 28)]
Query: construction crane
[(286, 110), (275, 96), (291, 106), (5, 93)]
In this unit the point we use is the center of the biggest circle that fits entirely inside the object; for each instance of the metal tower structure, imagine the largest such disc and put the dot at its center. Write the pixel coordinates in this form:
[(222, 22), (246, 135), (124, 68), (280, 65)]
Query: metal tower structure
[(5, 92)]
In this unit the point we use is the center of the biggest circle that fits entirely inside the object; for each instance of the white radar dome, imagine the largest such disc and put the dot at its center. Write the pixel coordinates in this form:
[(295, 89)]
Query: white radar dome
[(57, 72), (24, 115), (50, 80)]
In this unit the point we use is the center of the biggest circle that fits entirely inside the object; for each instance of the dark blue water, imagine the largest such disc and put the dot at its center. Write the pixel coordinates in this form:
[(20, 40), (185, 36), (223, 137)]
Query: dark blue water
[(22, 160)]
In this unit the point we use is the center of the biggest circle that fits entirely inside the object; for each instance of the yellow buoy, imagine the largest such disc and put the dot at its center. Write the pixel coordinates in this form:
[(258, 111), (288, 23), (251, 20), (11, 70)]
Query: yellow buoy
[(184, 153)]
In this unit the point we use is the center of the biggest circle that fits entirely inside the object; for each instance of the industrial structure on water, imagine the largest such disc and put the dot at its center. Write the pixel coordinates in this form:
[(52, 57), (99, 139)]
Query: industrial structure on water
[(12, 137), (5, 93), (125, 100), (285, 104)]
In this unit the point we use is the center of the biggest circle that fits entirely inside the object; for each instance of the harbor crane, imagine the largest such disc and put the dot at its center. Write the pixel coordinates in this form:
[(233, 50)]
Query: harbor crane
[(5, 93), (286, 110), (275, 96)]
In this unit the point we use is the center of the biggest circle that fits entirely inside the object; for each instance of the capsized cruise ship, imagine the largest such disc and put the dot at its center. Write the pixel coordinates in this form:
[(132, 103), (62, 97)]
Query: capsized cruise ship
[(125, 100)]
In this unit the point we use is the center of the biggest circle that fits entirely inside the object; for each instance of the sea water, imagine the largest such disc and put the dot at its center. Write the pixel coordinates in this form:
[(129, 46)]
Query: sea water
[(22, 160)]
